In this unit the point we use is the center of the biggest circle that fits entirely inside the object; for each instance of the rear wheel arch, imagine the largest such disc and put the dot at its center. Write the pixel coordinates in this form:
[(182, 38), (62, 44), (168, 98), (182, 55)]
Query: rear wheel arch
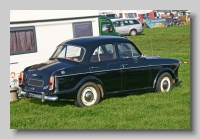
[(94, 80)]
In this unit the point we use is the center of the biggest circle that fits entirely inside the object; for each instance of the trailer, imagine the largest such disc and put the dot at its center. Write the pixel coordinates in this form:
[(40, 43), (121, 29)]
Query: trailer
[(34, 34)]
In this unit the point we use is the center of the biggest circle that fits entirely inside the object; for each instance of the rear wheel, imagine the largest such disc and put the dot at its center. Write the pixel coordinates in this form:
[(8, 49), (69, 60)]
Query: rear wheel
[(133, 32), (164, 83), (88, 95)]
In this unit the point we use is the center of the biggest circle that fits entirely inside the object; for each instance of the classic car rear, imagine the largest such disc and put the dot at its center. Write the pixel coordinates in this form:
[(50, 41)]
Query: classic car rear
[(90, 68)]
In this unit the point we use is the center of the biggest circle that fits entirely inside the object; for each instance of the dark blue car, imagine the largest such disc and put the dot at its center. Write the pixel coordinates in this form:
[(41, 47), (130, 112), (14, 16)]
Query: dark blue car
[(91, 68)]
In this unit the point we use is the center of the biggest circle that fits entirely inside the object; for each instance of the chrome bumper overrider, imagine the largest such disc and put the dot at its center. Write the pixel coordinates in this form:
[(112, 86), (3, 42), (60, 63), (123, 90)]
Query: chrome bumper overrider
[(43, 97)]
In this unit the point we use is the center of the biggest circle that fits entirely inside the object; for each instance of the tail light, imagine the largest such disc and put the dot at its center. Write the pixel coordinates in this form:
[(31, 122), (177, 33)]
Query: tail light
[(51, 82), (20, 78)]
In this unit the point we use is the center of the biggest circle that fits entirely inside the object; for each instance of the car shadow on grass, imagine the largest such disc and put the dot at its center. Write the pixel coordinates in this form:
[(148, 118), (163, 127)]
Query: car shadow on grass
[(58, 103), (129, 94)]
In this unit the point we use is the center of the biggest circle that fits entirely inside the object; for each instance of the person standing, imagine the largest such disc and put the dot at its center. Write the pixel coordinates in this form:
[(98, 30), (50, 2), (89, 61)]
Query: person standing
[(158, 14), (171, 15)]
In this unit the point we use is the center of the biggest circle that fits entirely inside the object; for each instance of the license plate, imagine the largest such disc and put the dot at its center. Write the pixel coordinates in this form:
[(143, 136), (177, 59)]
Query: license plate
[(34, 82)]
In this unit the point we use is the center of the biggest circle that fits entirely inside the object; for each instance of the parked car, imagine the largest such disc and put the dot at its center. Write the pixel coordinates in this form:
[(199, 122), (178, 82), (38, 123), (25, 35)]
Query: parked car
[(90, 68), (128, 26)]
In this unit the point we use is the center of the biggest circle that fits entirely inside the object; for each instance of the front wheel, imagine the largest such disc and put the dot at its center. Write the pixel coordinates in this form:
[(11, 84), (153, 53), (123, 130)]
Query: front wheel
[(164, 83), (88, 95)]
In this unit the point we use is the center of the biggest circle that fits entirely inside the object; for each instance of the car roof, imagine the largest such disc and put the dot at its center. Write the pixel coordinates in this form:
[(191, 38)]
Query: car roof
[(92, 40)]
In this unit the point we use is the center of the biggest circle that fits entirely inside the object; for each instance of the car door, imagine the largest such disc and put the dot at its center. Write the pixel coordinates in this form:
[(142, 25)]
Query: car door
[(136, 73), (103, 66)]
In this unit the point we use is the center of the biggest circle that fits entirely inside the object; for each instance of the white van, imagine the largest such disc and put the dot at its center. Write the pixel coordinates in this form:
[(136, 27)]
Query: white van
[(34, 34)]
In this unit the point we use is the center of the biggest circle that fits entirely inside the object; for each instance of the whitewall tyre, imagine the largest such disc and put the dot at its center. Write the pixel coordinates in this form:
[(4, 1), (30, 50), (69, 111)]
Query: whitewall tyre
[(88, 95), (164, 83)]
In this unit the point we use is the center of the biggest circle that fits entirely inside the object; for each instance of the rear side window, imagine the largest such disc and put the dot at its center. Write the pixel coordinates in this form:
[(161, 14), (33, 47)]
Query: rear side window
[(70, 52), (131, 22), (22, 40)]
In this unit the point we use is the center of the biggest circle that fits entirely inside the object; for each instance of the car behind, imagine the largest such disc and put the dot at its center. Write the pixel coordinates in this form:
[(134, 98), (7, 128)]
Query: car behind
[(128, 26)]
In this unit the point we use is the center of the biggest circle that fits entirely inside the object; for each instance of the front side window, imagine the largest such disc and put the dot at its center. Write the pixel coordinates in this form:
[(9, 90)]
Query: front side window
[(103, 53), (127, 50), (116, 24), (70, 52), (22, 40)]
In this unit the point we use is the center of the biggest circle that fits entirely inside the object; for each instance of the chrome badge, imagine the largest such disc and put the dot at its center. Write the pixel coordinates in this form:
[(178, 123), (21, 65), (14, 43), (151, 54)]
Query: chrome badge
[(34, 75), (62, 72), (45, 87)]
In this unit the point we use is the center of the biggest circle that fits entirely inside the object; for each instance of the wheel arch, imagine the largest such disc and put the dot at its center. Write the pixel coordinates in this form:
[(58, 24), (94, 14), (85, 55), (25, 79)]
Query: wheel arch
[(94, 80), (168, 70)]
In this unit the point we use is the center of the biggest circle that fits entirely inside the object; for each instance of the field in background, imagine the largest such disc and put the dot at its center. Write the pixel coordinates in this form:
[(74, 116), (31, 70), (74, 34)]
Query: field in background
[(140, 111)]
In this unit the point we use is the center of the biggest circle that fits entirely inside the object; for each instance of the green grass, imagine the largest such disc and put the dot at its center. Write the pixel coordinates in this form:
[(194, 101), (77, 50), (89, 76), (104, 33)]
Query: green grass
[(140, 111)]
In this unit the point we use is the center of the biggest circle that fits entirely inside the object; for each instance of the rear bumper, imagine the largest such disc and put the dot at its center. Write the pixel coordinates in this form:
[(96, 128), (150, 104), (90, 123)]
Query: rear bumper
[(140, 30), (41, 96)]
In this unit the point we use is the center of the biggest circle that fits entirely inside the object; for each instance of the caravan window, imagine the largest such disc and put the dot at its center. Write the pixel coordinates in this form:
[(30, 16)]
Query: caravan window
[(82, 29), (130, 15), (135, 15), (120, 15), (22, 40)]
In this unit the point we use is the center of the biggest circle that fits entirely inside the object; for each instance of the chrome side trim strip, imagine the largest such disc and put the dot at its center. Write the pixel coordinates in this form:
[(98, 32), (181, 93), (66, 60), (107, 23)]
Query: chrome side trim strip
[(113, 70)]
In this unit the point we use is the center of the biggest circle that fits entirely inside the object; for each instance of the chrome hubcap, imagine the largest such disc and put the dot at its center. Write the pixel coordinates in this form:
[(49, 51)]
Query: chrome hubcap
[(165, 85), (89, 96)]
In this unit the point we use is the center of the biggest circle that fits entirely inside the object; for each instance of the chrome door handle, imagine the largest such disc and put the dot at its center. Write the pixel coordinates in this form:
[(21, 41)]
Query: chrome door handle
[(94, 67), (124, 65)]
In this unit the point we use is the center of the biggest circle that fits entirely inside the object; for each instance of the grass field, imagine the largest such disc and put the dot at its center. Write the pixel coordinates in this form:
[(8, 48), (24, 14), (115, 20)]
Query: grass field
[(140, 111)]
